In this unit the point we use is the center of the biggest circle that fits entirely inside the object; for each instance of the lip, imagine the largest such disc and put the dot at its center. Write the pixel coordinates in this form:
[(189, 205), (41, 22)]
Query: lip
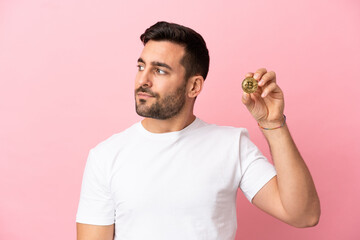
[(144, 95)]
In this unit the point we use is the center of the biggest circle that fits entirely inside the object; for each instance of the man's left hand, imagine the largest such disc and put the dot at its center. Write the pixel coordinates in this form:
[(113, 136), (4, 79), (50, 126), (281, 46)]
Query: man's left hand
[(266, 105)]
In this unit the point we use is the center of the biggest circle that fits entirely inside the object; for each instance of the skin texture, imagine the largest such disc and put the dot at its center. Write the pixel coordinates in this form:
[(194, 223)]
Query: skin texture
[(163, 82), (160, 99), (290, 196), (163, 107), (93, 232)]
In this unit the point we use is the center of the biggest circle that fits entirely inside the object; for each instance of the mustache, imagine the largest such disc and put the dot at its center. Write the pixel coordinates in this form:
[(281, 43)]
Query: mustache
[(146, 90)]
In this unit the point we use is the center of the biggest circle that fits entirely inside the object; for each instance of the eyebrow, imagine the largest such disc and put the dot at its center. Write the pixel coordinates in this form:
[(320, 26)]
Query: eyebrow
[(155, 63)]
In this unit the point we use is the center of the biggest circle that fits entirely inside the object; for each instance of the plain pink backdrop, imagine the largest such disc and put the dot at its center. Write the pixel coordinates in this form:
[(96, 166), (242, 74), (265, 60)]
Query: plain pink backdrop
[(67, 70)]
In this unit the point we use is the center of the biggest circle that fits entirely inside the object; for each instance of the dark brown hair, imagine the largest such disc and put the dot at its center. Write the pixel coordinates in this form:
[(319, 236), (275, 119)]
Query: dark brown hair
[(196, 59)]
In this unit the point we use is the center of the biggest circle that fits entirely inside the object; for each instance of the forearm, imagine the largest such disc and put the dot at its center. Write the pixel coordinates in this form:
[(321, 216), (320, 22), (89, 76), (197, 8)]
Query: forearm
[(296, 187)]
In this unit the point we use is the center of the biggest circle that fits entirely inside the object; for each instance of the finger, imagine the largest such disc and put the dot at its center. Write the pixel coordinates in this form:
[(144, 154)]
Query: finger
[(247, 101), (259, 73), (267, 77), (249, 74), (268, 89)]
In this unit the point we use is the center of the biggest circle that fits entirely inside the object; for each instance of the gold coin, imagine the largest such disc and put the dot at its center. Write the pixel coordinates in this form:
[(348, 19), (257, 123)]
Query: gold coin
[(249, 85)]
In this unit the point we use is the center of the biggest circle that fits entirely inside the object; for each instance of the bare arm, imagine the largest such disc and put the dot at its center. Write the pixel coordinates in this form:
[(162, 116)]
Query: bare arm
[(94, 232), (291, 195)]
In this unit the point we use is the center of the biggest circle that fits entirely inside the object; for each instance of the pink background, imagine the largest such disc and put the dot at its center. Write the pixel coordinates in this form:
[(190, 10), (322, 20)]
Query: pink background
[(67, 70)]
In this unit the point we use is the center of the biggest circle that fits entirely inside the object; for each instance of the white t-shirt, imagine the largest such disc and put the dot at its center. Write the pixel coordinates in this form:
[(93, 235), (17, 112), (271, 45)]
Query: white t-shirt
[(176, 185)]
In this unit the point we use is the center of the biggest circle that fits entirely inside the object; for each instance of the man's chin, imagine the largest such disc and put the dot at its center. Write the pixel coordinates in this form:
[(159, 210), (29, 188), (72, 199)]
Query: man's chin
[(146, 114), (142, 111)]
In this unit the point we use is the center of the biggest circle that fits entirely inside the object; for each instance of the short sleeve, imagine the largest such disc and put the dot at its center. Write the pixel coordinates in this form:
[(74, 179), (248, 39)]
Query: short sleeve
[(256, 170), (96, 206)]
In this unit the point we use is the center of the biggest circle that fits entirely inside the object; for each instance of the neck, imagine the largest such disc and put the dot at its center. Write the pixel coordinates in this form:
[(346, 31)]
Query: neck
[(176, 123)]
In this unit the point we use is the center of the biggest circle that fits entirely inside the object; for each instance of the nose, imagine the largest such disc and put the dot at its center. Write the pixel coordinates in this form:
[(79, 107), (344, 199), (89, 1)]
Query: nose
[(144, 79)]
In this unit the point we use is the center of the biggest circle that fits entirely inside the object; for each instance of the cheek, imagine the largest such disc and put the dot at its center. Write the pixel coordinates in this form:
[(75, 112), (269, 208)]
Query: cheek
[(136, 80), (165, 84)]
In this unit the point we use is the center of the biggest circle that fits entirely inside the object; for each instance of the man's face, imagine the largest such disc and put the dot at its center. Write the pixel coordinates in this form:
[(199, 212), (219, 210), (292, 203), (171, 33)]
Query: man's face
[(160, 85)]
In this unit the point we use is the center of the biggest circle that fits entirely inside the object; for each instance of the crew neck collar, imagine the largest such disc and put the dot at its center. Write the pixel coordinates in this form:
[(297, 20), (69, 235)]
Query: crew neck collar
[(169, 135)]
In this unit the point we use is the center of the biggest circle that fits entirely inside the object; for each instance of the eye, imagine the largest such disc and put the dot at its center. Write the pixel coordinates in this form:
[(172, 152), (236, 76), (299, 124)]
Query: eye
[(161, 72), (140, 67)]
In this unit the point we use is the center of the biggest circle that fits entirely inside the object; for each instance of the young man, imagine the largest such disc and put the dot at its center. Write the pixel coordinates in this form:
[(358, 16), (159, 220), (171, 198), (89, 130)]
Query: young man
[(173, 176)]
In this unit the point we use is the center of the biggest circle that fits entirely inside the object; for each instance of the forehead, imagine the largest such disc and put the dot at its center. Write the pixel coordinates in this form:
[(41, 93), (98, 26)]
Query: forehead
[(163, 51)]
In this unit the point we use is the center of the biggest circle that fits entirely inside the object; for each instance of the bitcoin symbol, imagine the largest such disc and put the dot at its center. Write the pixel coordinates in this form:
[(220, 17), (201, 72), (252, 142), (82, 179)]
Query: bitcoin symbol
[(249, 85)]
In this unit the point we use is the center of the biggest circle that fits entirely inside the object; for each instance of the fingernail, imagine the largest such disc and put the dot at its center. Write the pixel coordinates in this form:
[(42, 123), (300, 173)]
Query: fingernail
[(263, 94), (256, 76)]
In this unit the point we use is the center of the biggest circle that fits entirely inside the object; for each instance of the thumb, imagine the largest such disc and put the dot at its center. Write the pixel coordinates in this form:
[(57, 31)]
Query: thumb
[(247, 101)]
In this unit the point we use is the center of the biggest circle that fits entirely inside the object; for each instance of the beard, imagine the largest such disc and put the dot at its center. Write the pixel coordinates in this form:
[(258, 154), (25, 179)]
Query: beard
[(164, 107)]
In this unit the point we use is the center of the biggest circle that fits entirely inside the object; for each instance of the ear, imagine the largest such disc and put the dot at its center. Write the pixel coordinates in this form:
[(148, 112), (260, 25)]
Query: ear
[(194, 86)]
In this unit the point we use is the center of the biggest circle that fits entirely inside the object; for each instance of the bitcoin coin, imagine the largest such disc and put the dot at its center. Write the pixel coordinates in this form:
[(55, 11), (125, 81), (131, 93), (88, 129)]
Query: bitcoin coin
[(249, 85)]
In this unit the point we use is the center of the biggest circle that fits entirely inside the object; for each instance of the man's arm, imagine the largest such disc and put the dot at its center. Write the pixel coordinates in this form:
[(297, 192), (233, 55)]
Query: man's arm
[(291, 195), (94, 232)]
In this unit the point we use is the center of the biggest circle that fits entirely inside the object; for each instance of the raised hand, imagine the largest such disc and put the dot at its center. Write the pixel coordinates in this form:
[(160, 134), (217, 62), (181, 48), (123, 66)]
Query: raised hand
[(266, 105)]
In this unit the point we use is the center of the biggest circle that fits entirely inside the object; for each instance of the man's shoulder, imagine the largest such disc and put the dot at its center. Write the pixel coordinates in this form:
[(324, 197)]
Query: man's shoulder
[(223, 129), (116, 140)]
